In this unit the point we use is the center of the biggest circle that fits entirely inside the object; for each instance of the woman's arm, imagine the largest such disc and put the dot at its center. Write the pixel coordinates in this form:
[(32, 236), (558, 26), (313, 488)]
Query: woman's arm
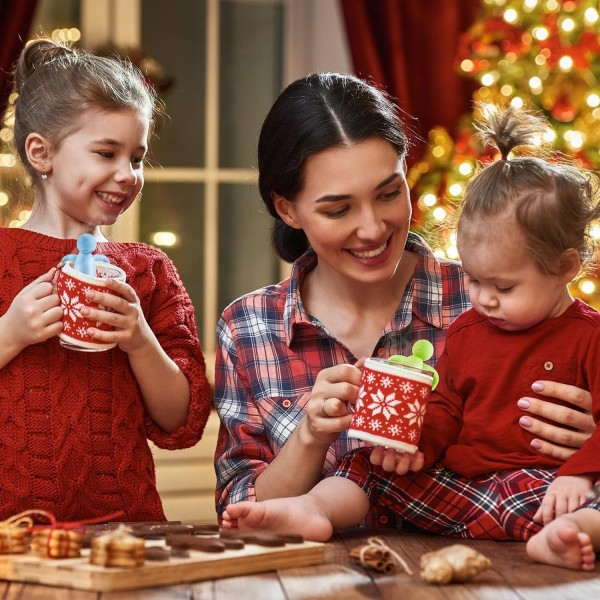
[(297, 468), (573, 426), (264, 450)]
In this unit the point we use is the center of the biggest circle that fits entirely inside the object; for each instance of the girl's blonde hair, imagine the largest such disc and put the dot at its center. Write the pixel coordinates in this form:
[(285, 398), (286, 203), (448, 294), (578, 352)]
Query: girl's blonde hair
[(554, 202), (55, 84)]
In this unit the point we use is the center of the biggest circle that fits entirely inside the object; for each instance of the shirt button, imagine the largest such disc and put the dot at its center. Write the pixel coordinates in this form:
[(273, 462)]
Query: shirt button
[(548, 365), (286, 403)]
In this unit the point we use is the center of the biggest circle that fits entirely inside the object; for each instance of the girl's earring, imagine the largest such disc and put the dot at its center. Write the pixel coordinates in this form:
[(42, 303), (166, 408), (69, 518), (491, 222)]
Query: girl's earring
[(44, 176)]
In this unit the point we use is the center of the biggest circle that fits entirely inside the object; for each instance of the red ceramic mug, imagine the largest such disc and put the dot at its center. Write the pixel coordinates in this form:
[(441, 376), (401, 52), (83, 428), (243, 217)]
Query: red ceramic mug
[(391, 404), (71, 286)]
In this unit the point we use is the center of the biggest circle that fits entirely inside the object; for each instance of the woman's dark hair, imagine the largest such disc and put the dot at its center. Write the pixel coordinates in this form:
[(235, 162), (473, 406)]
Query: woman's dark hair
[(313, 114), (553, 201)]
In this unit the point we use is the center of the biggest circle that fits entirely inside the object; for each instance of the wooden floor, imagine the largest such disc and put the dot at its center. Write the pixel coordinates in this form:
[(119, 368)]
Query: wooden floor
[(513, 574)]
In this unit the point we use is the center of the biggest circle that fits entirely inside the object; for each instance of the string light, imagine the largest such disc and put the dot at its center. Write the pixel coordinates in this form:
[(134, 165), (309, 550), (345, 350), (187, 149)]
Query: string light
[(590, 16), (587, 286), (593, 100), (565, 63), (465, 168), (164, 239), (567, 25), (429, 199), (535, 83), (439, 213)]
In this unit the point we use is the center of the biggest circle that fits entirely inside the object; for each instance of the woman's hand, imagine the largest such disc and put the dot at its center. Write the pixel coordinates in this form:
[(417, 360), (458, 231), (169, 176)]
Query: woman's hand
[(327, 411), (555, 440)]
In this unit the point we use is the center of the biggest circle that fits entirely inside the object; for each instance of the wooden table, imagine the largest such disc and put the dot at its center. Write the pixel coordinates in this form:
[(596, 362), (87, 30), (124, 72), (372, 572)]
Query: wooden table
[(513, 576)]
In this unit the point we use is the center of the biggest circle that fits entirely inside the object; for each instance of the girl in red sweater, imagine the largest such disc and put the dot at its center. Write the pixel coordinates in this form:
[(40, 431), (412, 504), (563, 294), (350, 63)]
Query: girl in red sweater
[(75, 424), (522, 238)]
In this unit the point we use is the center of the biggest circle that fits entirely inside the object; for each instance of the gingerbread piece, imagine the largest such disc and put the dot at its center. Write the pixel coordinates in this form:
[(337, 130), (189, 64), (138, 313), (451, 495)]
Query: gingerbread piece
[(157, 553), (179, 553), (54, 542), (267, 539), (118, 548), (13, 539), (453, 563), (14, 535), (160, 530), (206, 529), (233, 543), (292, 538), (191, 542)]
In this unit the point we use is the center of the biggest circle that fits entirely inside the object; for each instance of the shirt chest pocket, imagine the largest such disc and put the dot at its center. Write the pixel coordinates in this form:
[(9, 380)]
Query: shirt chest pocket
[(550, 368)]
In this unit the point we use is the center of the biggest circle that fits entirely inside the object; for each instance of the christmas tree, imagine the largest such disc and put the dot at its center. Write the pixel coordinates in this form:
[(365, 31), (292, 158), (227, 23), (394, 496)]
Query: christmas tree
[(542, 54)]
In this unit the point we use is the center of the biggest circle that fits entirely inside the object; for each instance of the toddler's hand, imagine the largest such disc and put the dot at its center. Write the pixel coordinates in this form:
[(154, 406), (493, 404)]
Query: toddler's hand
[(34, 315), (564, 495), (394, 460), (131, 330)]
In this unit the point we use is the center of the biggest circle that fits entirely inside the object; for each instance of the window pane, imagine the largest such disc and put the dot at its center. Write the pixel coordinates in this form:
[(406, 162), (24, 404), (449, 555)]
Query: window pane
[(177, 208), (55, 14), (175, 36), (250, 75), (246, 261)]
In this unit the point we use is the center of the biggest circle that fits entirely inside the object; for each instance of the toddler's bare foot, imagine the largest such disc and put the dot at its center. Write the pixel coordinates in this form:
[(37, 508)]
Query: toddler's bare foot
[(562, 543), (300, 514)]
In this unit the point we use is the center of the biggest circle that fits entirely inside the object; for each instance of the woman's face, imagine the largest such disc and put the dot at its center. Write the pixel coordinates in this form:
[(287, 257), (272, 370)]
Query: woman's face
[(354, 209)]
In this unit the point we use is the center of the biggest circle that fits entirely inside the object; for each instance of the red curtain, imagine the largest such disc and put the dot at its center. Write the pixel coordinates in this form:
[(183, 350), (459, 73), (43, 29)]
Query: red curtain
[(408, 47), (15, 21)]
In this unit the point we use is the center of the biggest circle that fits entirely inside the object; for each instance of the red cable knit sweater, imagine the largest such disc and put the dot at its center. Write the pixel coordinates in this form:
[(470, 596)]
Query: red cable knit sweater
[(73, 425)]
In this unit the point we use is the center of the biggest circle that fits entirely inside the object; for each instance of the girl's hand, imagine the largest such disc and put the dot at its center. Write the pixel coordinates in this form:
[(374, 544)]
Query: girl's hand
[(34, 315), (131, 330), (395, 460), (327, 411), (564, 495), (558, 440)]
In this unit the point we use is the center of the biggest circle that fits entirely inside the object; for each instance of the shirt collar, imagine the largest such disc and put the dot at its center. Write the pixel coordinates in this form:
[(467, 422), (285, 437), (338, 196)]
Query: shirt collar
[(425, 289), (294, 314), (426, 286)]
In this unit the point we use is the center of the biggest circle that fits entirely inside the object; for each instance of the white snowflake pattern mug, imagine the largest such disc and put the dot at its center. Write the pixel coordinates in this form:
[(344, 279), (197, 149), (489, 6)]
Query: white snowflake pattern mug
[(71, 286), (391, 404)]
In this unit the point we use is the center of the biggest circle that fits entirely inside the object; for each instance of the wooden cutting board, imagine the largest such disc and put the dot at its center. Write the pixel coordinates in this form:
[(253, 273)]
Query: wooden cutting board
[(80, 574)]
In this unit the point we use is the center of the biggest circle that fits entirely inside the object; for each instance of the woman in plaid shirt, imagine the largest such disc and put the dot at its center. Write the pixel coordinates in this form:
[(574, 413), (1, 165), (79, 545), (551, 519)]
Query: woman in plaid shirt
[(331, 160)]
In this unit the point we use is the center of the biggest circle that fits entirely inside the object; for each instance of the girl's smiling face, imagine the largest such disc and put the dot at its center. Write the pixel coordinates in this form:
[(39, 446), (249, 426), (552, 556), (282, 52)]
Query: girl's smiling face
[(96, 172), (354, 209)]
